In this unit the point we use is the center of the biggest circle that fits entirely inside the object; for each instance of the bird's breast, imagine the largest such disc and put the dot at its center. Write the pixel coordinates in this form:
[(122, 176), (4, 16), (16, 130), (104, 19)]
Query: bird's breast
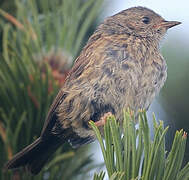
[(132, 81)]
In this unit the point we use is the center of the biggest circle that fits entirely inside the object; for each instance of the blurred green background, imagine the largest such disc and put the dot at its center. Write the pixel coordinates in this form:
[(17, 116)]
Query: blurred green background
[(56, 41), (39, 41)]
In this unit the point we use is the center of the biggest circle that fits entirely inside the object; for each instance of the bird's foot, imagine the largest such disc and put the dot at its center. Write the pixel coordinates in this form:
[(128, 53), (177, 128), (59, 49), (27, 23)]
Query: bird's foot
[(103, 119)]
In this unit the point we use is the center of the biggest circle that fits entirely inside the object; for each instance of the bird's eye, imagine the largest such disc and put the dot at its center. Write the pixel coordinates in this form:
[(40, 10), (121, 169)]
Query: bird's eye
[(146, 20)]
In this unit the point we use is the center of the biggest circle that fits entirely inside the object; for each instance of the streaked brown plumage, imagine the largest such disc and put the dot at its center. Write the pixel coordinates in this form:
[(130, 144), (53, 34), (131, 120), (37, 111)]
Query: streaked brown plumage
[(119, 67)]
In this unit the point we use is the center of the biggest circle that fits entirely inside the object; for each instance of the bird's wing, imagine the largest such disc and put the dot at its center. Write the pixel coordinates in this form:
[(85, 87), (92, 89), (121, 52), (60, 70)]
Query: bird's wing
[(51, 116), (75, 72)]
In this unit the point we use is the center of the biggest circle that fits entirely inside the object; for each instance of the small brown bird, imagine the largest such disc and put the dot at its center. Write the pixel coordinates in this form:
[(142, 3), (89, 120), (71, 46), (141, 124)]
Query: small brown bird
[(120, 67)]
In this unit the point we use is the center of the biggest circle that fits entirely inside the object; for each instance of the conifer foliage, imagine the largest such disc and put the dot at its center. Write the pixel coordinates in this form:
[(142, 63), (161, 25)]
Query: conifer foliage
[(39, 44)]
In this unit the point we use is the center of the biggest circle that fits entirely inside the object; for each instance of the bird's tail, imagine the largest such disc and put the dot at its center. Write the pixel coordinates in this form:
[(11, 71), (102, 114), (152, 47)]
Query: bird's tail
[(34, 156)]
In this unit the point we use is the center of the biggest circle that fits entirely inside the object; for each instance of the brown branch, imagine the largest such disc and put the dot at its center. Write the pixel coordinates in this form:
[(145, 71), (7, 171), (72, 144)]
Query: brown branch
[(33, 98), (2, 132), (12, 19), (4, 138)]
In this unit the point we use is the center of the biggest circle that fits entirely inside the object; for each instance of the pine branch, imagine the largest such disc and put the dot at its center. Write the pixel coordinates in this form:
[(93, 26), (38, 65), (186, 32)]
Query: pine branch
[(131, 154)]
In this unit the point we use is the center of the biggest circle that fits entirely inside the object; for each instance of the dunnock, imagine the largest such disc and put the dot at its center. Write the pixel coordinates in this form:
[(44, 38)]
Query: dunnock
[(120, 67)]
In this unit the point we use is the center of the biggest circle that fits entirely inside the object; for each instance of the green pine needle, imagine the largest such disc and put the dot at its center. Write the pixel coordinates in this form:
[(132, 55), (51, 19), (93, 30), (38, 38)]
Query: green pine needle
[(129, 153)]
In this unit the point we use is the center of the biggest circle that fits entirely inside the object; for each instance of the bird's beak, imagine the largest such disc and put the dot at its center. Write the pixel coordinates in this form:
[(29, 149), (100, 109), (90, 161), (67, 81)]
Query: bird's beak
[(169, 24)]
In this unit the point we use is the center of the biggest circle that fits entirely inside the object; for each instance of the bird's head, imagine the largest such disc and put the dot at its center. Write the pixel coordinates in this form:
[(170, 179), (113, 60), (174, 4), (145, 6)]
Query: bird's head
[(139, 21)]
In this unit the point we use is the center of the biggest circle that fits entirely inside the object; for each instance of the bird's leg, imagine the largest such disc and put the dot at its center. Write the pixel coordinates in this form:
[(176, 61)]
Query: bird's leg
[(103, 119)]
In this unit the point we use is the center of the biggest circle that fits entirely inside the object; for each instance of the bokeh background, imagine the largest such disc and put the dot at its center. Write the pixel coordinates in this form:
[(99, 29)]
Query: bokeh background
[(172, 105)]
